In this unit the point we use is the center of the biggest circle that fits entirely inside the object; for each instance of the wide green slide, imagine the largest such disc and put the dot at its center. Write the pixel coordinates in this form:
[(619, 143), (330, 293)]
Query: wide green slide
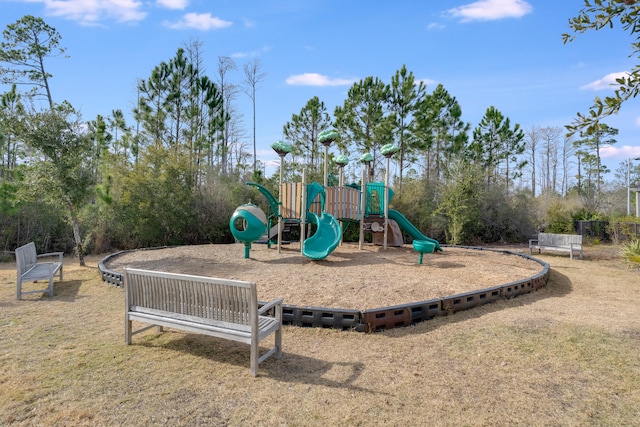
[(325, 239), (411, 229), (328, 230)]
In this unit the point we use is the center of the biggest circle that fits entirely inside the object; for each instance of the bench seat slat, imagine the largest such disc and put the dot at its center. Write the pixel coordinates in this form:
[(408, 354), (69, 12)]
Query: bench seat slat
[(41, 271)]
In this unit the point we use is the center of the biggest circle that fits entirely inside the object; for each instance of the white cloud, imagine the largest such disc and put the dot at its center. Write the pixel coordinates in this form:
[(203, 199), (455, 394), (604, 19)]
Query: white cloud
[(173, 4), (315, 79), (199, 21), (427, 82), (489, 10), (435, 26), (607, 82), (91, 12), (625, 152), (255, 53)]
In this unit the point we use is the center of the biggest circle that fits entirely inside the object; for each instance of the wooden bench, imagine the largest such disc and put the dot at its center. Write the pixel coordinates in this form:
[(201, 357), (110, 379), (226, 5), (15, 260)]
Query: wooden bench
[(217, 307), (30, 270), (559, 242)]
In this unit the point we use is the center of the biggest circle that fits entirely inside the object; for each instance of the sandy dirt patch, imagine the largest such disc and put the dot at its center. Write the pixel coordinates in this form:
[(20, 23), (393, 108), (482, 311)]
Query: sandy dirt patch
[(349, 278)]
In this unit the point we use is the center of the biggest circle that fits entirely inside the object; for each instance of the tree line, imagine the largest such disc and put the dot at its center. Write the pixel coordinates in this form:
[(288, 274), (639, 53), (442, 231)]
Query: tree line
[(176, 173)]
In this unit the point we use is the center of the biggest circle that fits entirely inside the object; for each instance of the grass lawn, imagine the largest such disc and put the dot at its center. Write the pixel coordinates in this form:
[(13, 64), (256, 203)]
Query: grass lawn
[(566, 355)]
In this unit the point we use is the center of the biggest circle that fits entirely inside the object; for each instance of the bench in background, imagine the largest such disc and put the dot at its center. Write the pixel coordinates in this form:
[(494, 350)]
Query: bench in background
[(31, 270), (218, 307), (559, 242)]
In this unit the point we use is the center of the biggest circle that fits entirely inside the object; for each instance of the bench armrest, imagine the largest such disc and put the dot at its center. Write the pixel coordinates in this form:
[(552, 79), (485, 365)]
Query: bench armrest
[(270, 305), (51, 254), (533, 242)]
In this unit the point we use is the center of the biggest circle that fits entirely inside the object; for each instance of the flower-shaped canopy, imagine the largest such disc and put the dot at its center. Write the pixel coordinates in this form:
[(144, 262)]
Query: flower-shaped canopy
[(366, 158), (342, 160), (282, 148), (389, 150), (326, 137)]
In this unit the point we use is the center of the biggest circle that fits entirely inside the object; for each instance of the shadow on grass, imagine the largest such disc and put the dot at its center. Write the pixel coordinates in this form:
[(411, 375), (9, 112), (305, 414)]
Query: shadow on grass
[(291, 367), (66, 290)]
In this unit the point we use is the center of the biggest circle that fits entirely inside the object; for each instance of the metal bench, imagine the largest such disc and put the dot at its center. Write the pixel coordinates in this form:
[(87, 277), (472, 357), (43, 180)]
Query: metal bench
[(217, 307), (558, 242), (31, 270)]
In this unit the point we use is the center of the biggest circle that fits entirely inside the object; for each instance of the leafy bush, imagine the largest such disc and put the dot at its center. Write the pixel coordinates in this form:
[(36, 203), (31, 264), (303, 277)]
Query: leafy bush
[(631, 251), (560, 219), (584, 214)]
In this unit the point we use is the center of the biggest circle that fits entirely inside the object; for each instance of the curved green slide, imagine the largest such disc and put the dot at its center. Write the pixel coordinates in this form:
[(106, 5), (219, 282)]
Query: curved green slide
[(328, 230), (411, 229), (325, 239)]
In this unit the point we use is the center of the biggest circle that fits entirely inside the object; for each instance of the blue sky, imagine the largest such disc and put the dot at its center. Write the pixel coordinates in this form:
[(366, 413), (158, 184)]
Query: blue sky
[(503, 53)]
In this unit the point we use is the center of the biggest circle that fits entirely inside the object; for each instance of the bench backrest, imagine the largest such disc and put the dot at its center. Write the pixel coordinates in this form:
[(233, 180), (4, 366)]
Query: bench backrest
[(206, 300), (26, 257), (559, 239)]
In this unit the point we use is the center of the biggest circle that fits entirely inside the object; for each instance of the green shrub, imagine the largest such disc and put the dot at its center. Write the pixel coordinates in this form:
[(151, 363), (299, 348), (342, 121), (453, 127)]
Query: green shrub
[(560, 219), (631, 251)]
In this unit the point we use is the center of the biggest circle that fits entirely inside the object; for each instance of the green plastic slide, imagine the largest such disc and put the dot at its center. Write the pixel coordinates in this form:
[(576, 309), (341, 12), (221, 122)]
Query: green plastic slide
[(328, 230), (325, 239), (411, 229)]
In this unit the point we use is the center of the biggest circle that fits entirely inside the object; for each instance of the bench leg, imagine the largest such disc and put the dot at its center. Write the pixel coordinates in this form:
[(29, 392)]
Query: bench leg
[(51, 286), (254, 359), (19, 289), (278, 338), (127, 330)]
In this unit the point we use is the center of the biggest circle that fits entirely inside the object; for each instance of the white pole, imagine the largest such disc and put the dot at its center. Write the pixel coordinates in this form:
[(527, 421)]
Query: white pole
[(340, 205), (326, 166), (280, 224), (386, 202), (363, 203), (628, 186), (637, 204), (303, 214)]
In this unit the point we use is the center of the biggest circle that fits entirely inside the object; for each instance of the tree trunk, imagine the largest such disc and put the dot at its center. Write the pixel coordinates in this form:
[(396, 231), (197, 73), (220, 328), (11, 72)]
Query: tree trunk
[(78, 239)]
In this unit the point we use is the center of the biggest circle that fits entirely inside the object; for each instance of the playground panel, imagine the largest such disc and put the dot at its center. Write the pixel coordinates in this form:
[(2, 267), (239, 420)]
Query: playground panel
[(343, 202), (340, 202)]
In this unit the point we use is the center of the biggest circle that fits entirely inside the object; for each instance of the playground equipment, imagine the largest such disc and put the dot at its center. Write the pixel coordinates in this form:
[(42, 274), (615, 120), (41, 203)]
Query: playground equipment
[(248, 223), (313, 204), (423, 247), (327, 208)]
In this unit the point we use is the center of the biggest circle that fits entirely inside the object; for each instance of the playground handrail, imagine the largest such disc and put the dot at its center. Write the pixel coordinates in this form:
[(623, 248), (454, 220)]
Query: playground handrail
[(270, 197)]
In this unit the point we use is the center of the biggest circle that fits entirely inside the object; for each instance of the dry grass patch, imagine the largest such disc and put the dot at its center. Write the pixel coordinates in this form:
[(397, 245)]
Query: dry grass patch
[(568, 354)]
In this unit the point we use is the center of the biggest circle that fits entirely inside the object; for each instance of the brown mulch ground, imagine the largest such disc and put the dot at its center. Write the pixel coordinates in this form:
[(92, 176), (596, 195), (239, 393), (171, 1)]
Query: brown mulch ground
[(349, 278)]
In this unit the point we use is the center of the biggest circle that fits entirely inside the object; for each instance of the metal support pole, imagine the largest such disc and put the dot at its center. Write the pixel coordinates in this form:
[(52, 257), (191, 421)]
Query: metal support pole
[(340, 208), (386, 203), (363, 204), (326, 166), (280, 224), (303, 214), (628, 186)]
